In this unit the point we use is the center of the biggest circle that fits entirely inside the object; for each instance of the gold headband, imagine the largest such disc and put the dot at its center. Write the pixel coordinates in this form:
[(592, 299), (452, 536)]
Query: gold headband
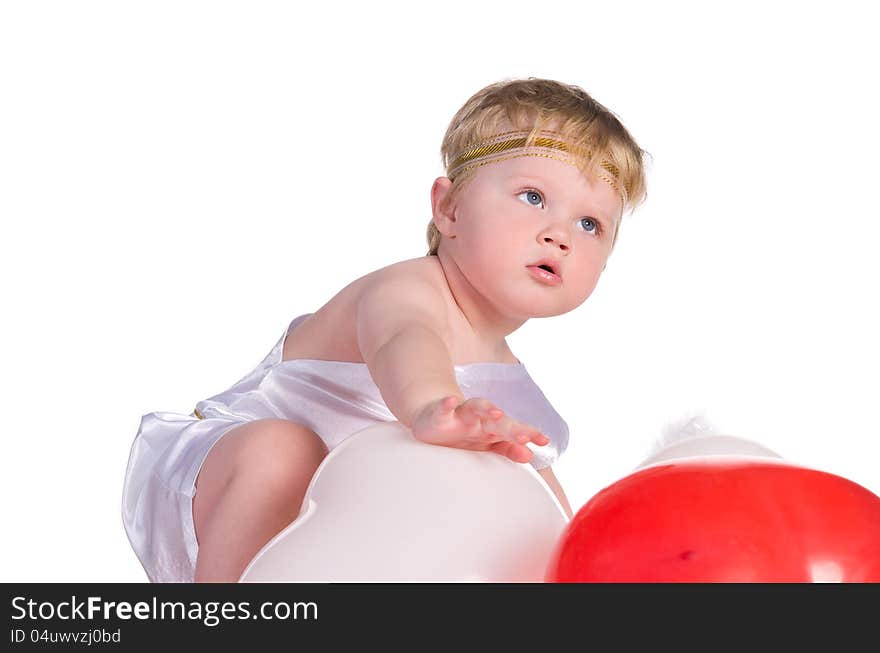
[(509, 145)]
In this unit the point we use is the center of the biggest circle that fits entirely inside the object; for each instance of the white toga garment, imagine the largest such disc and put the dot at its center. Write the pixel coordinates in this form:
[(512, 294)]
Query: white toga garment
[(335, 399)]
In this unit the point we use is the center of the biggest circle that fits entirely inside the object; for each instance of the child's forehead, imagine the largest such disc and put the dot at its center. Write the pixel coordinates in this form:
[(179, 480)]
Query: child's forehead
[(539, 166)]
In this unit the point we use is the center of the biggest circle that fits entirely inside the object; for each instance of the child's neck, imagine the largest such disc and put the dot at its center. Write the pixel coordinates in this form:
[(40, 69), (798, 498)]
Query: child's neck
[(489, 326)]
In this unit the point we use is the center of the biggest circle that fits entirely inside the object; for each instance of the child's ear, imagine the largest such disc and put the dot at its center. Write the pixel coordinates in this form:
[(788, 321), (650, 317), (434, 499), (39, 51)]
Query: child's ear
[(443, 210)]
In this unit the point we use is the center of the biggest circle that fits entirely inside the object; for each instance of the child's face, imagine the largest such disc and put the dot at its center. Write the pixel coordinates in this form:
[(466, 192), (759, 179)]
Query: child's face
[(514, 215)]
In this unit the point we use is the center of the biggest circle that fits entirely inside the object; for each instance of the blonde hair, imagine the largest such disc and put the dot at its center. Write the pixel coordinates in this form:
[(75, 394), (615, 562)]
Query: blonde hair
[(593, 132)]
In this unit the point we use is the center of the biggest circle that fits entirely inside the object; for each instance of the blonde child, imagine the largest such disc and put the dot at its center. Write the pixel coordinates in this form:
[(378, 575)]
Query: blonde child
[(538, 177)]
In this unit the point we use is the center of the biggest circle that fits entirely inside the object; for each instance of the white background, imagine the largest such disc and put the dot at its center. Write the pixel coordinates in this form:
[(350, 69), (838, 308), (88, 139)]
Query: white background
[(180, 179)]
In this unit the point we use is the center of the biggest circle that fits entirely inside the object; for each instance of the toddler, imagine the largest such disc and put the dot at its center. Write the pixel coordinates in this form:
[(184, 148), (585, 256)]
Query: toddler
[(538, 175)]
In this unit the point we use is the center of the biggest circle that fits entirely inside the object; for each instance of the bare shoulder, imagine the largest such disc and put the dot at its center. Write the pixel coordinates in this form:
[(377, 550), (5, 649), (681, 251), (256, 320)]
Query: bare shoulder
[(406, 294), (414, 278), (410, 289), (379, 304)]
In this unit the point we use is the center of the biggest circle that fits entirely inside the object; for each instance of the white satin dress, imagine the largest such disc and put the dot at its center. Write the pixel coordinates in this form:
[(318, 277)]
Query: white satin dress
[(335, 399)]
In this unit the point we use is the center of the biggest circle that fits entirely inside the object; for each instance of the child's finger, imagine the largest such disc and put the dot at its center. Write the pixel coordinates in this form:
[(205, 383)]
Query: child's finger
[(493, 412), (538, 438), (516, 452), (467, 414), (449, 404), (533, 436), (525, 433), (499, 430), (502, 448), (445, 410), (519, 454), (486, 408), (479, 408)]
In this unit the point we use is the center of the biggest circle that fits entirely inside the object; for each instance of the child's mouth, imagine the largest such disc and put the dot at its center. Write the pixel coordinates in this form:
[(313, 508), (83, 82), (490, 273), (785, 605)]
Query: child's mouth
[(544, 274)]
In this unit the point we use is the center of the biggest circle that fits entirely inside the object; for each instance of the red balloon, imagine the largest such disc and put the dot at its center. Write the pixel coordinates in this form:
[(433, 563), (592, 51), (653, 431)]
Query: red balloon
[(723, 520)]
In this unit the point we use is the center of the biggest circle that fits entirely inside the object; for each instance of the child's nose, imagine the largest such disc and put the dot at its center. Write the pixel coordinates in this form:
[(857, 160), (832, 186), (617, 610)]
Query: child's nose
[(557, 237)]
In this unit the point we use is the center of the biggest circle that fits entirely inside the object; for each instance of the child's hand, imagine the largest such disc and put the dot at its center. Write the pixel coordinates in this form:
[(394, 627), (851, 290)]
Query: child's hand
[(475, 424)]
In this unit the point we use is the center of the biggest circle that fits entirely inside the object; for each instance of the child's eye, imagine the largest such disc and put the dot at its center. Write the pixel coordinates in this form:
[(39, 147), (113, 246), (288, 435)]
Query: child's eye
[(532, 197), (590, 226)]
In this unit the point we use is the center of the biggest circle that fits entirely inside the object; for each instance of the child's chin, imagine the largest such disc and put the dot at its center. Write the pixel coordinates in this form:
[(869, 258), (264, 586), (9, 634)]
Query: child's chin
[(536, 310), (528, 305), (553, 313)]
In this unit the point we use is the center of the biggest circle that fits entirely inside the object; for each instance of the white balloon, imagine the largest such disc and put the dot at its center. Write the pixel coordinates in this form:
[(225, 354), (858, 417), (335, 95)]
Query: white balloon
[(385, 507)]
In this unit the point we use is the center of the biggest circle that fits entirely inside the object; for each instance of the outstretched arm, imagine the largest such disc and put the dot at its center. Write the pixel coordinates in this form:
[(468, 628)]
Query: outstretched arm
[(401, 327), (401, 331)]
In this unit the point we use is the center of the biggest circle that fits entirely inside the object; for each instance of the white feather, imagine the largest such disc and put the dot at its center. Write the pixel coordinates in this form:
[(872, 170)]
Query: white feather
[(695, 436), (684, 428)]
